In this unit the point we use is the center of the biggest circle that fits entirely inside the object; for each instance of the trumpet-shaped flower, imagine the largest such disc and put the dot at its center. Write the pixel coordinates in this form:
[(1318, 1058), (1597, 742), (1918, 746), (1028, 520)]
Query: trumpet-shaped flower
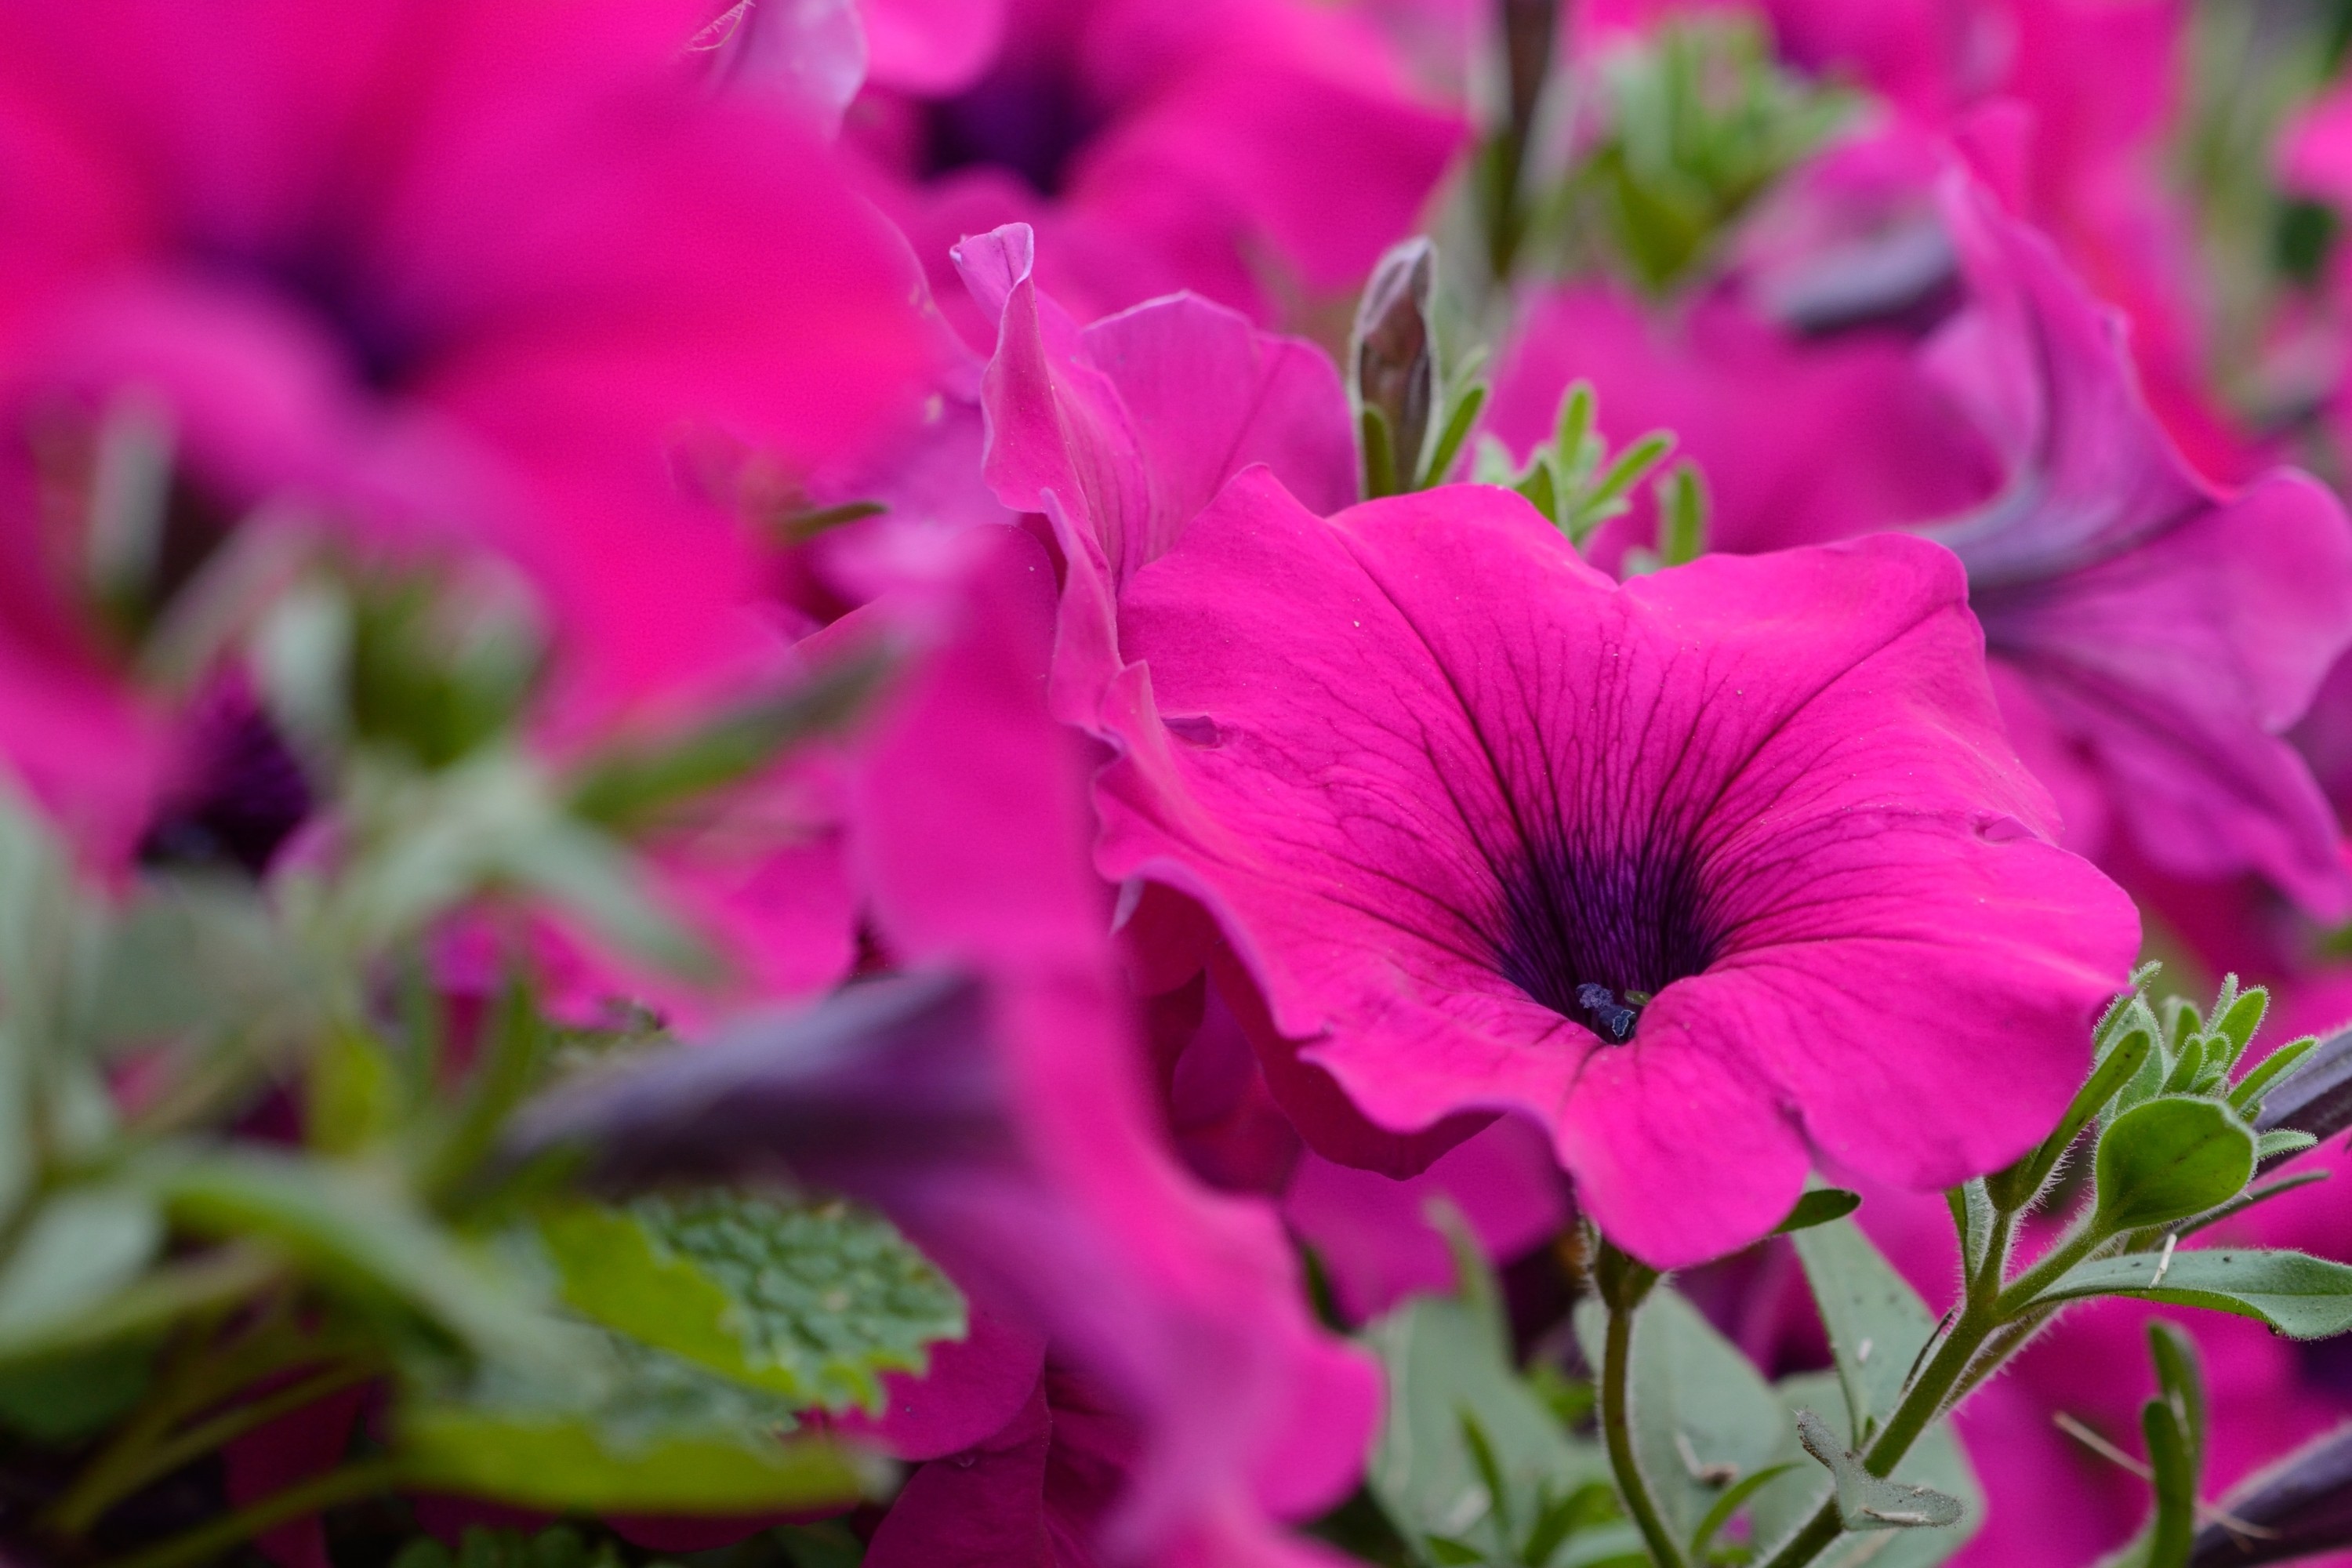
[(1716, 873)]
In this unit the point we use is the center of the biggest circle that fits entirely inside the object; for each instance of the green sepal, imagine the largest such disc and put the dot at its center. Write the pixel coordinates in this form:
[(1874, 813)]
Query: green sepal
[(1819, 1206)]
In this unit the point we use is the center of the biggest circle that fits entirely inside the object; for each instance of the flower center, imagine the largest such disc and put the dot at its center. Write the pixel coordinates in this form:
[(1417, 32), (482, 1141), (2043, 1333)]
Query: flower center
[(1594, 936)]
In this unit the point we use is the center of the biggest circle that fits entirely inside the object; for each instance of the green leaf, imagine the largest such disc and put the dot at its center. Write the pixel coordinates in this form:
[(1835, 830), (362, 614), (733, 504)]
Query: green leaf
[(1873, 1502), (659, 1436), (1537, 486), (1446, 1357), (359, 1233), (2180, 1381), (2299, 1296), (2281, 1142), (812, 1303), (2174, 1529), (2247, 1097), (1935, 1462), (2249, 1198), (200, 961), (1876, 1323), (630, 786), (1819, 1206), (1456, 431), (1682, 514), (1731, 1502), (2169, 1159), (1703, 1417), (2238, 1022), (81, 1247), (2012, 1189), (63, 1398)]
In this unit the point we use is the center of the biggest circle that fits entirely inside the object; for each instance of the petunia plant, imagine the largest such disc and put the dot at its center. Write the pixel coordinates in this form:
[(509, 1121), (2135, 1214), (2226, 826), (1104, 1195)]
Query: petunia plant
[(1706, 1462)]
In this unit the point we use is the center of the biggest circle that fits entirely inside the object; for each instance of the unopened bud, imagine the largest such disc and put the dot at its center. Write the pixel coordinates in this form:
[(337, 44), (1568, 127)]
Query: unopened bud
[(1394, 377)]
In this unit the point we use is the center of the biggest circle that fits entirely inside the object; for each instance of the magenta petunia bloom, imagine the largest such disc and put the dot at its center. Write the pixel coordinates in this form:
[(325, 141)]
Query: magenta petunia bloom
[(2155, 633), (1250, 149), (1715, 875), (1119, 432)]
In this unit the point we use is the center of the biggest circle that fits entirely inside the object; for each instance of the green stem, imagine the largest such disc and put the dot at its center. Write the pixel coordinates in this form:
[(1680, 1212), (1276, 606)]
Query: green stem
[(104, 1485), (2053, 1264), (1923, 1401), (349, 1484), (1617, 1429)]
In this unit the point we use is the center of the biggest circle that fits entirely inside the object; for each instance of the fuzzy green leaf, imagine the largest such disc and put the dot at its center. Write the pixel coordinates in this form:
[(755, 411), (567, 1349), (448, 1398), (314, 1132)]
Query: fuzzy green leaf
[(2301, 1297)]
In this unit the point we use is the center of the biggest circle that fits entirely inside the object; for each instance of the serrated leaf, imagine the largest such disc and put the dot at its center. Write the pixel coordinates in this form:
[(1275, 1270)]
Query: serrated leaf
[(1868, 1502), (1444, 1358), (2301, 1297), (1936, 1461), (1703, 1416), (1876, 1323), (2169, 1159), (812, 1303)]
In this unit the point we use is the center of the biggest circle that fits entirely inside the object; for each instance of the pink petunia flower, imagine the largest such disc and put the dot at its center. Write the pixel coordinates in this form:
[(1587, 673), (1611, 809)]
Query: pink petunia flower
[(1121, 431), (1711, 874), (1013, 1137), (442, 275), (1255, 152)]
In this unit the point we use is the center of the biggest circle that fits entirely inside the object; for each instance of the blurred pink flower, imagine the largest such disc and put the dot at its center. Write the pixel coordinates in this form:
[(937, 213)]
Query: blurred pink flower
[(445, 275), (1180, 1309), (1256, 153), (1698, 871), (2157, 634)]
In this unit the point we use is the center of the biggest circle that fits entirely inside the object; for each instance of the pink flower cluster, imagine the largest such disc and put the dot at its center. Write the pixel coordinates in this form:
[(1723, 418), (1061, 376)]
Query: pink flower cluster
[(1317, 855)]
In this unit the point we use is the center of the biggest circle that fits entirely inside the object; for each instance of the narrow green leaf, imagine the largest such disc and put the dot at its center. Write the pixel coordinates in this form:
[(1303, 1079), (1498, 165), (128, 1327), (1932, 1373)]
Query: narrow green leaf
[(1573, 438), (562, 1463), (1819, 1206), (2240, 1021), (2247, 1097), (631, 786), (1730, 1503), (2169, 1159), (2299, 1296), (2182, 1383), (2189, 1064), (2280, 1143), (1537, 484), (1457, 430), (81, 1246), (2174, 1529), (2249, 1198), (1682, 515), (2012, 1189)]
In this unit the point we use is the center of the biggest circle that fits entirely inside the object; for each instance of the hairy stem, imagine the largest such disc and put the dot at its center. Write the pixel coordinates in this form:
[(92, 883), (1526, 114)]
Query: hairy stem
[(1617, 1429), (1925, 1399)]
